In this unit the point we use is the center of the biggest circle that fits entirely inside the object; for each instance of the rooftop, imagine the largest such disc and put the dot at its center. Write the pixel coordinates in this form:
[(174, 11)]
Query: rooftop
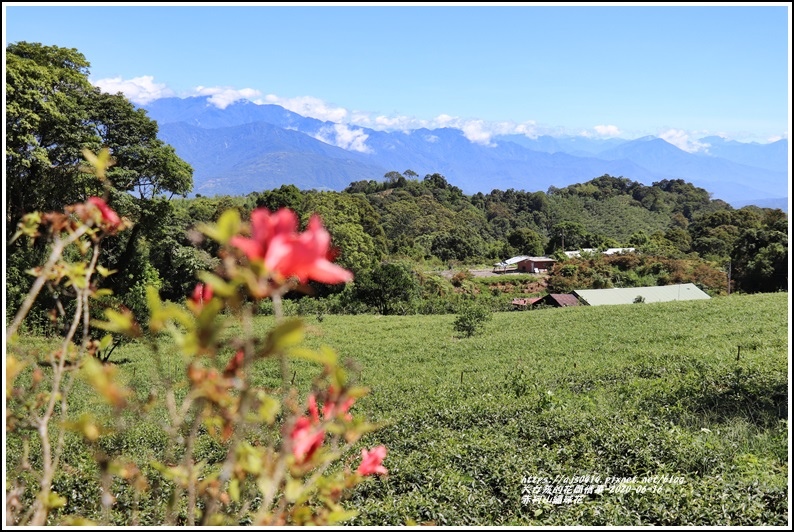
[(651, 294)]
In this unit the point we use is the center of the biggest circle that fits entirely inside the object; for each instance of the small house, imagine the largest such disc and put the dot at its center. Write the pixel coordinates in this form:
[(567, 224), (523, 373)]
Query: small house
[(506, 264), (610, 251), (557, 300), (521, 303), (535, 264)]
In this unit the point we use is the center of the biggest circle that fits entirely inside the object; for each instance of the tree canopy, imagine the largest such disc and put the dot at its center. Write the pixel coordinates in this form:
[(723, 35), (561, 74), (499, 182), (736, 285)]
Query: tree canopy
[(53, 114)]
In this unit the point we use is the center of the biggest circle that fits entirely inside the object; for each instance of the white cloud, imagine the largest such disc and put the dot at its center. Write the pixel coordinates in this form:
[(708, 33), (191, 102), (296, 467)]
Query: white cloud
[(482, 132), (681, 139), (603, 131), (444, 120), (607, 131), (431, 138), (344, 137), (477, 131), (310, 107), (360, 118), (528, 129), (140, 90), (222, 97), (399, 123)]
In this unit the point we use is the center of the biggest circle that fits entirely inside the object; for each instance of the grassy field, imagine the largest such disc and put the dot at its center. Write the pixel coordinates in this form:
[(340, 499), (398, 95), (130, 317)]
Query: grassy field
[(476, 426)]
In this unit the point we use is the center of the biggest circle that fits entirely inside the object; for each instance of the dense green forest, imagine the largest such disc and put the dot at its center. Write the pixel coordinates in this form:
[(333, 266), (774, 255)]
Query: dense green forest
[(397, 232)]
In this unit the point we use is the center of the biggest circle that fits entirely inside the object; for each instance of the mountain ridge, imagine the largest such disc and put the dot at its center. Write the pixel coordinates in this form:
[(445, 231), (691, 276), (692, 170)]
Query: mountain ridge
[(233, 151)]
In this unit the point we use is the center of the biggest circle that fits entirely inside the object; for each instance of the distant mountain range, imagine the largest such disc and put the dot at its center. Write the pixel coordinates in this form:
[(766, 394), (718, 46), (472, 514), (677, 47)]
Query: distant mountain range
[(248, 147)]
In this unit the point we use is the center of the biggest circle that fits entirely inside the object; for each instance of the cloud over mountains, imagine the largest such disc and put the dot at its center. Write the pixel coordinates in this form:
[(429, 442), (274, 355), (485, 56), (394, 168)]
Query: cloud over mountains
[(237, 146), (143, 90)]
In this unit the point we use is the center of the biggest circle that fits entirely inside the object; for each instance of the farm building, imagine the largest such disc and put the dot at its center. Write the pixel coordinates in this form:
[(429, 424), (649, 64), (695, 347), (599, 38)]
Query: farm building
[(610, 251), (525, 263), (521, 303), (535, 264), (505, 264), (557, 300), (649, 294)]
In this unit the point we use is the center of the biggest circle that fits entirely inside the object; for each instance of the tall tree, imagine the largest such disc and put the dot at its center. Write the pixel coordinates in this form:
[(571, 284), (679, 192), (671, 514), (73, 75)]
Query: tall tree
[(760, 255), (525, 241), (47, 126), (53, 113)]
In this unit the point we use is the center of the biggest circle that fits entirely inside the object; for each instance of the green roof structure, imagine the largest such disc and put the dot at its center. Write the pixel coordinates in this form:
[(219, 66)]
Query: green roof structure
[(650, 294)]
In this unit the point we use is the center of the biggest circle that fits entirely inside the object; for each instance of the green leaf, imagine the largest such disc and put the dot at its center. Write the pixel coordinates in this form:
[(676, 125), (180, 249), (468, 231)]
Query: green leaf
[(55, 501), (234, 489), (13, 368), (120, 322), (29, 226), (357, 392), (219, 286), (325, 356), (153, 298), (337, 516), (79, 521), (106, 341), (100, 162), (285, 335), (293, 489), (228, 225), (268, 407), (209, 312), (104, 272), (174, 473), (102, 292)]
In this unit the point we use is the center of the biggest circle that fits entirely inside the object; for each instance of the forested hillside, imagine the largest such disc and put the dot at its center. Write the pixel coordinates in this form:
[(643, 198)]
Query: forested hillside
[(398, 233)]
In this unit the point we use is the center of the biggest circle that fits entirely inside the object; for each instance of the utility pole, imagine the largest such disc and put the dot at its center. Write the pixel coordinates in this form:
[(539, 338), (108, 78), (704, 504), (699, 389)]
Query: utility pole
[(563, 239)]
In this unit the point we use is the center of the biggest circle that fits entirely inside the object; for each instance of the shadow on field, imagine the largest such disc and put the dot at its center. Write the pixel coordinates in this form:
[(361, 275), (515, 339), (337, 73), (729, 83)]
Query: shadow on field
[(759, 402), (761, 399)]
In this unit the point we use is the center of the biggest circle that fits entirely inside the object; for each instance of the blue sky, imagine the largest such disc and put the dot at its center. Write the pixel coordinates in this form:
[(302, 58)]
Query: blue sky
[(676, 71)]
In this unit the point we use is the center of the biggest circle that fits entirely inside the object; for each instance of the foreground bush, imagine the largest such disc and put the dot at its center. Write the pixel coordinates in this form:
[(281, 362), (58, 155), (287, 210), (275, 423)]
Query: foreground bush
[(281, 459), (472, 319)]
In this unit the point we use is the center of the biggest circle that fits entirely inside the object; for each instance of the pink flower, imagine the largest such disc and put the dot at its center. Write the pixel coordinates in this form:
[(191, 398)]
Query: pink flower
[(264, 227), (305, 255), (371, 461), (235, 363), (287, 253), (109, 216), (332, 409), (306, 439), (201, 293)]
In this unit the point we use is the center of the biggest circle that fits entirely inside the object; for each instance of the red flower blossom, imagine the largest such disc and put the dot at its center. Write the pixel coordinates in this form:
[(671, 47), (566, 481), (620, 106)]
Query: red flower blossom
[(306, 439), (264, 227), (235, 363), (371, 461), (202, 293), (287, 253), (305, 255), (331, 409), (333, 406), (109, 216)]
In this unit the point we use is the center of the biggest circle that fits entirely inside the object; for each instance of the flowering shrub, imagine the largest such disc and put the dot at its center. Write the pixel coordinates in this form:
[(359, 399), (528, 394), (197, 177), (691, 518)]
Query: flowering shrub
[(298, 474)]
